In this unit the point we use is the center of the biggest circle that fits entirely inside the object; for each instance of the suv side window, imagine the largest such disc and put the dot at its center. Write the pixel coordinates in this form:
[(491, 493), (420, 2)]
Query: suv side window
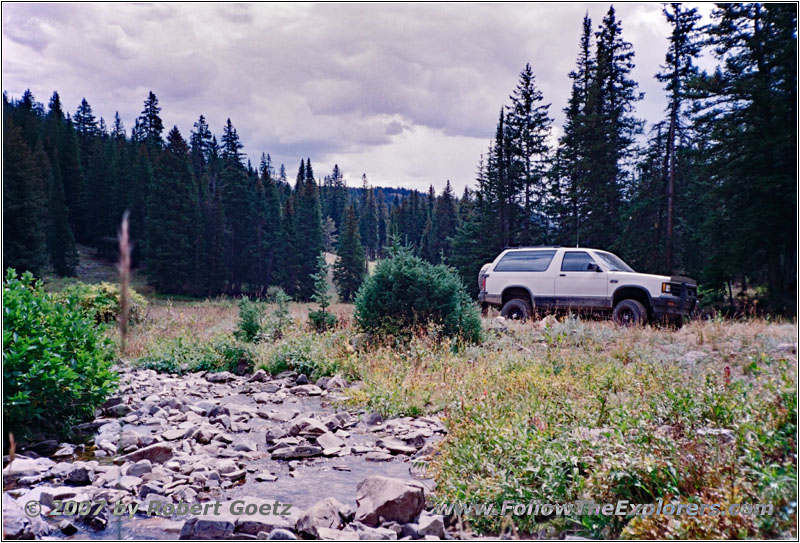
[(525, 261), (576, 261)]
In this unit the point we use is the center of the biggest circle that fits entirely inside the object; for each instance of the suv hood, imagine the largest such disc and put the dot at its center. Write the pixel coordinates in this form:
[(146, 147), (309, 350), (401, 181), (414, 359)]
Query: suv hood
[(633, 277)]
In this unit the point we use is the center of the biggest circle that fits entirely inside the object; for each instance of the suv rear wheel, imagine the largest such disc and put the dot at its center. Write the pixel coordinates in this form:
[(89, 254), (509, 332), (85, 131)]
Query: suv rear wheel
[(629, 313), (516, 309)]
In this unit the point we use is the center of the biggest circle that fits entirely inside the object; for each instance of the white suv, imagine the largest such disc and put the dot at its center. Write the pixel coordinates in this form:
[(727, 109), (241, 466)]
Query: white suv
[(527, 279)]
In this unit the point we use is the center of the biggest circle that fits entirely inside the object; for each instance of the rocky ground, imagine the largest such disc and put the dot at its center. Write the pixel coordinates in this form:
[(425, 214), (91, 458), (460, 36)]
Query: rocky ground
[(217, 437)]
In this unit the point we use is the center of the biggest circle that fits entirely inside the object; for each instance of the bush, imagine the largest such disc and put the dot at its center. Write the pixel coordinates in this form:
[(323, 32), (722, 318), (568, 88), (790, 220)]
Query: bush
[(321, 320), (406, 294), (185, 355), (251, 317), (56, 361), (315, 356), (101, 301)]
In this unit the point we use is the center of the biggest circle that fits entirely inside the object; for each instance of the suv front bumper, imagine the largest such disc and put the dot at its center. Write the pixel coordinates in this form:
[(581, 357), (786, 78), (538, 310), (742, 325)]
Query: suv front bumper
[(664, 306)]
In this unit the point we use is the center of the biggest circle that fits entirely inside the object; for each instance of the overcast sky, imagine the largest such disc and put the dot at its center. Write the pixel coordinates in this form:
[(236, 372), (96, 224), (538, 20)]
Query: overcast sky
[(408, 93)]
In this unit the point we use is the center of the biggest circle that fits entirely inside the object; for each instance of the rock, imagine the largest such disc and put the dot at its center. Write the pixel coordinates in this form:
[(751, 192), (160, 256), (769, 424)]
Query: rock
[(389, 499), (307, 426), (335, 382), (16, 524), (171, 435), (410, 531), (128, 483), (330, 441), (365, 533), (26, 467), (372, 419), (140, 468), (322, 382), (67, 528), (298, 451), (244, 446), (302, 379), (377, 457), (235, 475), (157, 453), (78, 475), (328, 513), (271, 388), (330, 534), (208, 527), (150, 488), (724, 434), (46, 447), (306, 390), (66, 450), (432, 525), (787, 348), (395, 446), (262, 397), (279, 534), (258, 377), (266, 476), (266, 520), (274, 433), (221, 377)]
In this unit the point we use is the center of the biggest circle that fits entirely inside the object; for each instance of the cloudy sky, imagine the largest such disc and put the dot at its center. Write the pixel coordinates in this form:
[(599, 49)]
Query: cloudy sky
[(408, 93)]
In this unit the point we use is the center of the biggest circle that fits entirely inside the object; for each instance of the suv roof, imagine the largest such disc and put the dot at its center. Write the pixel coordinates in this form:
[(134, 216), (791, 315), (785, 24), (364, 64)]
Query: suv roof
[(532, 247)]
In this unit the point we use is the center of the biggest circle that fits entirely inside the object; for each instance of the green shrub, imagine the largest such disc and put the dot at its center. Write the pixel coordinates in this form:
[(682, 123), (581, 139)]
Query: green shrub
[(280, 318), (406, 294), (314, 356), (56, 361), (321, 320), (251, 318), (186, 355), (101, 301)]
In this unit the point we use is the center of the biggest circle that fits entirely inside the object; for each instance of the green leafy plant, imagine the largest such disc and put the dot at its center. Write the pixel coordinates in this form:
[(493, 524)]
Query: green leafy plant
[(101, 301), (406, 294), (251, 317), (186, 355), (56, 360)]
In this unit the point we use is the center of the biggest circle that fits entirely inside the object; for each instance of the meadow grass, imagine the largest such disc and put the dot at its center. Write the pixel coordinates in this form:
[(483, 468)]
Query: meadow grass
[(573, 411)]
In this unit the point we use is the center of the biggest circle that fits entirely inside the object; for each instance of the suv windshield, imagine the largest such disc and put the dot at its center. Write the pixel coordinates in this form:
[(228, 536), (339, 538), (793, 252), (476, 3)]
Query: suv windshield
[(613, 262)]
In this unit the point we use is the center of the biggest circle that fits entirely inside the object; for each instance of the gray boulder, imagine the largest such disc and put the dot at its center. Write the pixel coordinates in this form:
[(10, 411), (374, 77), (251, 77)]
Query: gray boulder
[(387, 499), (328, 513)]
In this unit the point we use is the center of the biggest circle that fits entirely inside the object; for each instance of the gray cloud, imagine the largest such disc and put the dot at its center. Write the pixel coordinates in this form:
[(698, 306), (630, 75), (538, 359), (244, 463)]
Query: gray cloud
[(408, 93)]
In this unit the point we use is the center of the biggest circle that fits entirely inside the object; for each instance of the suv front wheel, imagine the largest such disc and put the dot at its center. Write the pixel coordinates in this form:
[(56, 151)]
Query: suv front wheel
[(516, 309), (629, 313)]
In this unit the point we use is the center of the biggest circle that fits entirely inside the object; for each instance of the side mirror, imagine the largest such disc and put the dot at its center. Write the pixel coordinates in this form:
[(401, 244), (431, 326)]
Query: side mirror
[(593, 267)]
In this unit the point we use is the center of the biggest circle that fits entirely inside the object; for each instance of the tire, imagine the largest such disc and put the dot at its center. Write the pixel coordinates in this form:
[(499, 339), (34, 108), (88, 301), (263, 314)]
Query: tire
[(629, 313), (516, 309)]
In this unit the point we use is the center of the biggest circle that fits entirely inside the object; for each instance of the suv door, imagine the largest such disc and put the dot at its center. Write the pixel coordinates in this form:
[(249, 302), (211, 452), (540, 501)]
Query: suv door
[(579, 284), (528, 269)]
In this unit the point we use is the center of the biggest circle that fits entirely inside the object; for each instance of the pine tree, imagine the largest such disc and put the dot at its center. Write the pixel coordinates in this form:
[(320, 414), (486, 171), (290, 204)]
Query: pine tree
[(529, 128), (150, 126), (349, 270), (308, 229), (60, 240), (611, 132), (748, 112), (24, 195), (173, 230), (571, 191), (684, 46), (445, 222)]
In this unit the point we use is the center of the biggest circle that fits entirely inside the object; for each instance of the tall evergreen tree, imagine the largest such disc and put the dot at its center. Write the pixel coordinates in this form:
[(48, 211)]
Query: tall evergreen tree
[(529, 128), (150, 126), (748, 113), (174, 229), (684, 46), (349, 270)]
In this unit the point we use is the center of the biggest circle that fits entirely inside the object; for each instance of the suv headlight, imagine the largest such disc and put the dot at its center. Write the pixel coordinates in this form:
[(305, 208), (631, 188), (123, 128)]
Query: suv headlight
[(666, 288)]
